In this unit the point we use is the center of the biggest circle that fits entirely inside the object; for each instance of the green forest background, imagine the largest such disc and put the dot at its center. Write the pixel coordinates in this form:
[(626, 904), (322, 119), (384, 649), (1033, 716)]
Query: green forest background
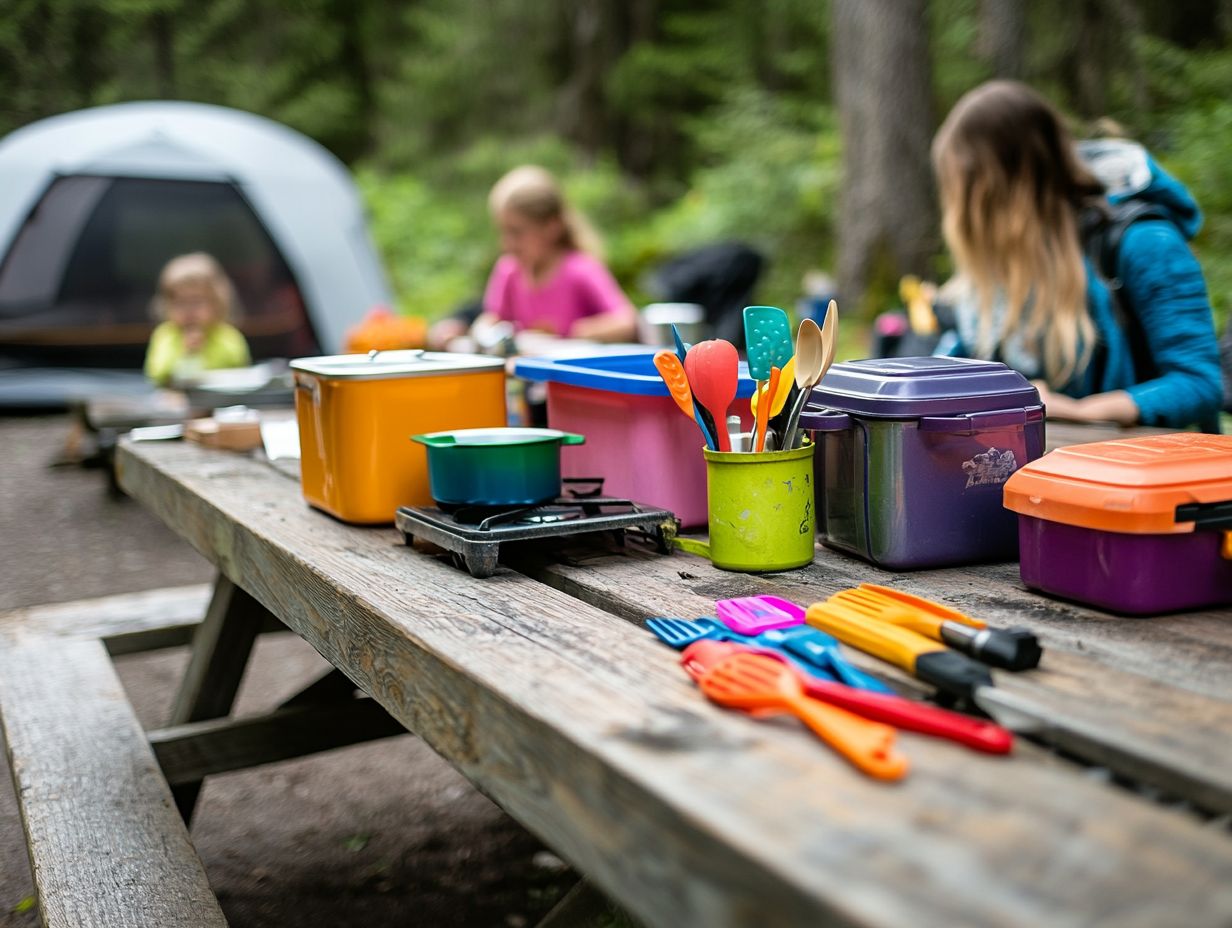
[(673, 122)]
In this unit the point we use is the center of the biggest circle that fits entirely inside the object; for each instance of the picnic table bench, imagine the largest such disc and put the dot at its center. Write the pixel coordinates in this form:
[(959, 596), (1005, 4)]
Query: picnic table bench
[(541, 687)]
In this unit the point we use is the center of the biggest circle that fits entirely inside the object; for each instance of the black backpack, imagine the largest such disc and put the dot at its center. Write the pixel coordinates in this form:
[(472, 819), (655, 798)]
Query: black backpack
[(1102, 229)]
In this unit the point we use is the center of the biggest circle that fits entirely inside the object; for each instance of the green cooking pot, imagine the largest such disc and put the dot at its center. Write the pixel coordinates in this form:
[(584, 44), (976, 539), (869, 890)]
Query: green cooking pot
[(495, 467)]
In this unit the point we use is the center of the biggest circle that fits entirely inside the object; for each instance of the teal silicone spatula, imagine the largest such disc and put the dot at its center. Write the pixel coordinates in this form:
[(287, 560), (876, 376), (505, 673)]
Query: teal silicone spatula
[(767, 340)]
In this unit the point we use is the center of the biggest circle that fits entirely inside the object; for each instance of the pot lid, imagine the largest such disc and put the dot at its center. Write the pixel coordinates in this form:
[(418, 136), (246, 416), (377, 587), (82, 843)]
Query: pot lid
[(903, 388), (380, 365), (497, 437), (1153, 484)]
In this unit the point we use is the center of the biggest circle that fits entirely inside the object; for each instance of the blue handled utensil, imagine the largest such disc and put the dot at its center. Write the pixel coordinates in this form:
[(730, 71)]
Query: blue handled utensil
[(680, 633), (704, 419), (820, 650)]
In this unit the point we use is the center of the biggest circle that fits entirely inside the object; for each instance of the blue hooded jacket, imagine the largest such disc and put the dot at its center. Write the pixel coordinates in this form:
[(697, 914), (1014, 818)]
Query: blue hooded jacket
[(1163, 286)]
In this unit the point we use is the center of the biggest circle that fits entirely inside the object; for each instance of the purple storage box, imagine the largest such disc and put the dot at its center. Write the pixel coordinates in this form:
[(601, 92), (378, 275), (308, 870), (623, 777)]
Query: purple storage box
[(912, 454), (1138, 526), (1129, 574)]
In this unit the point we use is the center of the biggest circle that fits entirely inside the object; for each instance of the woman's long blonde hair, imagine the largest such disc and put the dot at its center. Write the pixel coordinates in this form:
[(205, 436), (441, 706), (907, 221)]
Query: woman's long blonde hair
[(533, 192), (1011, 189)]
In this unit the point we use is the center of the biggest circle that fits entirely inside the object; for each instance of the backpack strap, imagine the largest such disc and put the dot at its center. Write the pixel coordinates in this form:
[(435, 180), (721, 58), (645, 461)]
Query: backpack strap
[(1102, 230)]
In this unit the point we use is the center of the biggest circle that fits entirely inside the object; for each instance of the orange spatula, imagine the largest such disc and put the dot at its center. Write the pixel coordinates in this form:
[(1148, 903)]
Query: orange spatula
[(756, 682)]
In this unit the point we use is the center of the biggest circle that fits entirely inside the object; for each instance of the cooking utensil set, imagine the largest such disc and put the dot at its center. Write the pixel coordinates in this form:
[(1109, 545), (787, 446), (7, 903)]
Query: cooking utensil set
[(764, 654), (702, 378)]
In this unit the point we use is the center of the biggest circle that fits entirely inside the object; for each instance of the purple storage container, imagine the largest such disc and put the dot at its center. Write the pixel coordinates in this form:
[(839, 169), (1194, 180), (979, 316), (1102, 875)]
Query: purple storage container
[(1138, 526), (1126, 573), (912, 454)]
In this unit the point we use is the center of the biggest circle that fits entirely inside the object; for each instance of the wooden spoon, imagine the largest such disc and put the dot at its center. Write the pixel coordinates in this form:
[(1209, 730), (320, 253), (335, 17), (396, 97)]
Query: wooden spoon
[(810, 365)]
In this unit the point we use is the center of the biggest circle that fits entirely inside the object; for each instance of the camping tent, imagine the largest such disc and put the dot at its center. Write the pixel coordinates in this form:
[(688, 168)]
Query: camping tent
[(93, 203)]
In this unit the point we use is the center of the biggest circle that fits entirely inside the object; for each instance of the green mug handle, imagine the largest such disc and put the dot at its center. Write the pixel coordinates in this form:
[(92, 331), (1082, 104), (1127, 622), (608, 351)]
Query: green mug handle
[(692, 546), (568, 438), (435, 441)]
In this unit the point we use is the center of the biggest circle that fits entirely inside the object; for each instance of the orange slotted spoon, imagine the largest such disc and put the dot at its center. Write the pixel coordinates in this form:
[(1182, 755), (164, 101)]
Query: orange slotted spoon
[(755, 682)]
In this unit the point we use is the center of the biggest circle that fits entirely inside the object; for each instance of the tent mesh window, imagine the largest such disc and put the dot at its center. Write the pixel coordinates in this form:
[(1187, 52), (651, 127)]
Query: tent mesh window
[(77, 284)]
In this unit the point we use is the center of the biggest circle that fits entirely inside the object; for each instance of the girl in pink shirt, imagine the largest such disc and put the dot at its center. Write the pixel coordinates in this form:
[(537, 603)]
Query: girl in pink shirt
[(548, 278)]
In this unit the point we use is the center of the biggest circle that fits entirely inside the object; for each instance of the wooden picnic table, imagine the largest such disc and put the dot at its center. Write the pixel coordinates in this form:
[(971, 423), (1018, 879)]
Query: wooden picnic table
[(541, 687)]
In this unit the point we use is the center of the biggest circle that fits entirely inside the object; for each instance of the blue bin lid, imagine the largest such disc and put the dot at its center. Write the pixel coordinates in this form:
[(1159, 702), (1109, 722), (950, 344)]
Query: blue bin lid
[(905, 388), (625, 372)]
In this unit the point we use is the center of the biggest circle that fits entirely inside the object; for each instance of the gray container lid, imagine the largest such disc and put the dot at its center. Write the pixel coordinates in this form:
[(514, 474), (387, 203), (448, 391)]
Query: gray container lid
[(906, 388), (386, 365)]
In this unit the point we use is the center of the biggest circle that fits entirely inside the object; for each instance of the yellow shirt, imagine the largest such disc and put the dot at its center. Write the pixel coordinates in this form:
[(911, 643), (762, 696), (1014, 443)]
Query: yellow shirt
[(167, 359)]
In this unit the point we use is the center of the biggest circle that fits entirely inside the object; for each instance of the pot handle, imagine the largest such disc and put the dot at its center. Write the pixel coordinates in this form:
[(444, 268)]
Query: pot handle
[(435, 441), (568, 438)]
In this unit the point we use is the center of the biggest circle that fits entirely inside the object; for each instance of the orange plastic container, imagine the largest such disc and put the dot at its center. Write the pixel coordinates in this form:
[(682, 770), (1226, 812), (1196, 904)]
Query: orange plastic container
[(357, 414), (1139, 526)]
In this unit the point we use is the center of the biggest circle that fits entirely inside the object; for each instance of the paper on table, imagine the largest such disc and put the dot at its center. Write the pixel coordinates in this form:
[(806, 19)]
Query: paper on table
[(280, 437)]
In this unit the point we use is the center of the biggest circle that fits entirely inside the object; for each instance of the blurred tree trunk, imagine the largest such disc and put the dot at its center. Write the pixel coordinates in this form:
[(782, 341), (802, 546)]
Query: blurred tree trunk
[(599, 33), (1103, 45), (348, 16), (887, 219), (1003, 36), (640, 138), (583, 110), (163, 32)]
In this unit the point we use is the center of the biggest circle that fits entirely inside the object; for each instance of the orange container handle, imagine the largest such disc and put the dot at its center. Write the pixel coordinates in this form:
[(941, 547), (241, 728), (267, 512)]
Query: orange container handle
[(1227, 546)]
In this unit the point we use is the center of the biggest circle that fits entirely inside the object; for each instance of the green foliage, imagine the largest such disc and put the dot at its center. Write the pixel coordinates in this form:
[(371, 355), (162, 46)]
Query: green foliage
[(673, 123), (777, 193)]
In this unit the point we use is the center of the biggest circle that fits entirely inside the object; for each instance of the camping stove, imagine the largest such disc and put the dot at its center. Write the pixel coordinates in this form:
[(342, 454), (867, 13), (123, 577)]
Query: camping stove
[(474, 534)]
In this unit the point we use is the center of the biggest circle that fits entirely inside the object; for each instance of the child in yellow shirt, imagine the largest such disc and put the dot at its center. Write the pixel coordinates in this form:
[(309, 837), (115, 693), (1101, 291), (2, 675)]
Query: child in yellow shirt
[(195, 298)]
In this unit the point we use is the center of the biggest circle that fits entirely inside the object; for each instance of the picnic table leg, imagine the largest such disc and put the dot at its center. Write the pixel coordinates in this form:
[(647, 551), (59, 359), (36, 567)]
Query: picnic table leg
[(220, 651)]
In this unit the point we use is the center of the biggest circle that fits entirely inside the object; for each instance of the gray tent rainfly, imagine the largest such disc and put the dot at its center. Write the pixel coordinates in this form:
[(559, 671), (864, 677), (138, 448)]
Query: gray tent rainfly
[(93, 203)]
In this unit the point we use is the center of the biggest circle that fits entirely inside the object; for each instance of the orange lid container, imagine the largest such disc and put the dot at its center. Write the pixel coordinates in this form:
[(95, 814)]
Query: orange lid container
[(1131, 485)]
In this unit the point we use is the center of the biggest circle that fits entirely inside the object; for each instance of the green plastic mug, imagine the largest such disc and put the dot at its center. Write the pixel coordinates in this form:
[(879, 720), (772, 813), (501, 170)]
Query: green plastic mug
[(762, 514)]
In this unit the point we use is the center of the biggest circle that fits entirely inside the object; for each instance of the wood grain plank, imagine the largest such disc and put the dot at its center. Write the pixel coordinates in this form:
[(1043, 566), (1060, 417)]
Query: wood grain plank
[(128, 622), (1138, 721), (221, 647), (586, 730), (1058, 434), (107, 847)]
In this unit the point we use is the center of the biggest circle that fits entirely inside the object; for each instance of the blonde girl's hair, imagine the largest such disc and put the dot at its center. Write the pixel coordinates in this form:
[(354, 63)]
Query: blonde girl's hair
[(1012, 187), (196, 268), (534, 193)]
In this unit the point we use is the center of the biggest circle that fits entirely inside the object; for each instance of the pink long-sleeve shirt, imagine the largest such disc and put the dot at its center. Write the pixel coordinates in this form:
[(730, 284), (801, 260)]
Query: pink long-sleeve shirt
[(579, 287)]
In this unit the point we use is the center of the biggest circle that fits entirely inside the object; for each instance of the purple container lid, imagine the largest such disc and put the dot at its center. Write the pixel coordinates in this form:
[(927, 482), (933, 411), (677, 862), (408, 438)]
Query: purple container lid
[(907, 388)]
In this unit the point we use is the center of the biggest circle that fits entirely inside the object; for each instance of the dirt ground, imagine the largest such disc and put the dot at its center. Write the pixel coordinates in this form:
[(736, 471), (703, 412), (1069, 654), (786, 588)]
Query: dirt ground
[(381, 834)]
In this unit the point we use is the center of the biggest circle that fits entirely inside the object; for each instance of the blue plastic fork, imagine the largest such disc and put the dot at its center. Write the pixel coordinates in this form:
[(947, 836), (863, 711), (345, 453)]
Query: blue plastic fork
[(680, 633), (809, 647), (818, 649)]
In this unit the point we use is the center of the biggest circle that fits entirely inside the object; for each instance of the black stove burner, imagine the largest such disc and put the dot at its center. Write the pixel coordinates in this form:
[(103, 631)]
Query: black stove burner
[(474, 534)]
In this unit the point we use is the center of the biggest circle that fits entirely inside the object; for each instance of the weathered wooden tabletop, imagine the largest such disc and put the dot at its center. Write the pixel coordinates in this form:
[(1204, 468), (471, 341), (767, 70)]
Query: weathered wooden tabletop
[(541, 687)]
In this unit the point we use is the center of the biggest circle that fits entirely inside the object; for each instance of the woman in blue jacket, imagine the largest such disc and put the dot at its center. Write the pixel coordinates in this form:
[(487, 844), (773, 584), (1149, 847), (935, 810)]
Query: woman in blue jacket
[(1014, 192)]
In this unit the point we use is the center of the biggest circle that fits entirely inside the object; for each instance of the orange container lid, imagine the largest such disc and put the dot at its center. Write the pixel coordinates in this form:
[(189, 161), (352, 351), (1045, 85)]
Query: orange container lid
[(1131, 485)]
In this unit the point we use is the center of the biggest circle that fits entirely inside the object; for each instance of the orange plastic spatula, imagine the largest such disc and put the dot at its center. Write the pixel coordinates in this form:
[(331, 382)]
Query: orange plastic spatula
[(755, 682)]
